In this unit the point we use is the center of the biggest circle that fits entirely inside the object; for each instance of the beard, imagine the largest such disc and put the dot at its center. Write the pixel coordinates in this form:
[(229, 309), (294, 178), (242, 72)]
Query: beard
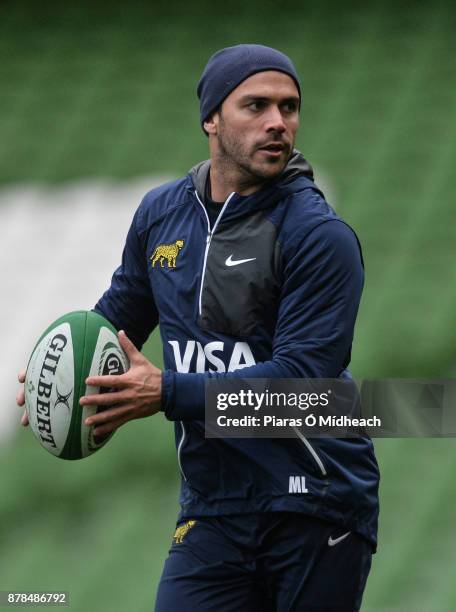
[(235, 154)]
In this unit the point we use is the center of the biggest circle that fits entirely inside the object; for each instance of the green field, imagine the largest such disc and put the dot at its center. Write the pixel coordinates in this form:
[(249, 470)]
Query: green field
[(108, 90)]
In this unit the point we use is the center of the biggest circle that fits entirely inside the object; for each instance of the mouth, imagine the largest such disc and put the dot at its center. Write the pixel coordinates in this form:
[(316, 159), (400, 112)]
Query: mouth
[(273, 149)]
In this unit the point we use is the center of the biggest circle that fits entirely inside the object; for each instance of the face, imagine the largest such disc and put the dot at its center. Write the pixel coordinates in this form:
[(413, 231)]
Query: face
[(256, 126)]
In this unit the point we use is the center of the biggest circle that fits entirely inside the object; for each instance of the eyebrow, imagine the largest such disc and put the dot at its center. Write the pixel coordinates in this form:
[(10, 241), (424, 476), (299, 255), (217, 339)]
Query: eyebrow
[(253, 98)]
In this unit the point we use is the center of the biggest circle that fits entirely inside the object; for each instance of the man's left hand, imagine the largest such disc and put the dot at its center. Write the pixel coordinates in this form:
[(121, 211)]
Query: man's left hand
[(136, 394)]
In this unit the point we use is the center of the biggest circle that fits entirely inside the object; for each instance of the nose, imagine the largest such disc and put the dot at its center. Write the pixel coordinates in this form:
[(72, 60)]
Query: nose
[(274, 120)]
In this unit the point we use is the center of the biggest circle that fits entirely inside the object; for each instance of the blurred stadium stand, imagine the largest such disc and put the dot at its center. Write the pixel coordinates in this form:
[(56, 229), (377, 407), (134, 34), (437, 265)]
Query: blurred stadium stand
[(96, 94)]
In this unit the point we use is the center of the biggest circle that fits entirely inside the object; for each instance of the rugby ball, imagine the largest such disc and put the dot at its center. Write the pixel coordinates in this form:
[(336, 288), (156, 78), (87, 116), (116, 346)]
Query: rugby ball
[(78, 345)]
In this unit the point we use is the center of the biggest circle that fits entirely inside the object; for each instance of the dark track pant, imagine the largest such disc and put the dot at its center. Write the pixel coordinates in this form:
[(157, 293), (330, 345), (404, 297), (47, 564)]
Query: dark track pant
[(276, 562)]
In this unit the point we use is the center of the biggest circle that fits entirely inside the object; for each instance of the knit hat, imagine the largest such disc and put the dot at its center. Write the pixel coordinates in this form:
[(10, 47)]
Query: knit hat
[(227, 68)]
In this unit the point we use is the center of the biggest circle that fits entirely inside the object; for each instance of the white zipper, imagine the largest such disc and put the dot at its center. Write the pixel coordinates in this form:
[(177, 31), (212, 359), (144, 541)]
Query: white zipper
[(179, 451), (210, 233), (312, 451), (208, 241)]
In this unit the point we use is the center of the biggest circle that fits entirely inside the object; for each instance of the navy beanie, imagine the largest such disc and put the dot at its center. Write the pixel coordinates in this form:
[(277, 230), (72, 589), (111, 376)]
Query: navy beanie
[(227, 68)]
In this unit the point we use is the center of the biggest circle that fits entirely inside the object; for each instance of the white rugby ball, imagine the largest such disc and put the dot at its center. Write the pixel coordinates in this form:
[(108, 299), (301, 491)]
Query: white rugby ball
[(77, 345)]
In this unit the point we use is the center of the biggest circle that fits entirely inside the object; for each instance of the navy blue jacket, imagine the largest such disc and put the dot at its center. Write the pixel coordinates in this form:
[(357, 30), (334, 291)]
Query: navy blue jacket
[(287, 312)]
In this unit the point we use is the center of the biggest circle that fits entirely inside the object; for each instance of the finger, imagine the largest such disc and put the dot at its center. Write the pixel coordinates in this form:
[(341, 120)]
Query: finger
[(104, 399), (107, 416), (110, 427), (20, 397), (24, 419), (130, 349), (116, 381), (21, 376)]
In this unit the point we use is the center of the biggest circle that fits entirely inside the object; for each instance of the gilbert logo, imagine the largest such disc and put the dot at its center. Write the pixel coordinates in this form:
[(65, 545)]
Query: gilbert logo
[(168, 252), (237, 262), (110, 362), (46, 385)]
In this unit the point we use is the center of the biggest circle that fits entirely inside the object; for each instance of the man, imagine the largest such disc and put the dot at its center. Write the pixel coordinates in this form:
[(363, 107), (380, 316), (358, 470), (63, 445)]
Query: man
[(249, 273)]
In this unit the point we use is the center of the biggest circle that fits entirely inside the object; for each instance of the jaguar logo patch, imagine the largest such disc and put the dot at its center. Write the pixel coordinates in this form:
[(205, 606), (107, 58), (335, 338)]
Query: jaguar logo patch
[(182, 531), (168, 252)]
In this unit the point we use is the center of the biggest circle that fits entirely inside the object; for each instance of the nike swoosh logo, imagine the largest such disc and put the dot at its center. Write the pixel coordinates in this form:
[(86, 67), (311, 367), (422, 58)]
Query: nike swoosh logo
[(332, 542), (236, 262)]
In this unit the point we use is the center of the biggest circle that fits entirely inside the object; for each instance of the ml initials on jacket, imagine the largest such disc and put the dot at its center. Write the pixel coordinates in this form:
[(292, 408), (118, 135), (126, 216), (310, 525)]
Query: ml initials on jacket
[(297, 484)]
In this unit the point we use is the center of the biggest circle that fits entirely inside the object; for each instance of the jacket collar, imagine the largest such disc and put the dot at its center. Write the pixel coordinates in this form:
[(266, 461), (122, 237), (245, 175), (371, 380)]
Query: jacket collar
[(296, 175), (297, 166)]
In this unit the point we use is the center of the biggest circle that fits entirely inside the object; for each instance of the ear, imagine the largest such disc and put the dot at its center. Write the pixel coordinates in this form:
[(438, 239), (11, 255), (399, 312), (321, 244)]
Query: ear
[(211, 123)]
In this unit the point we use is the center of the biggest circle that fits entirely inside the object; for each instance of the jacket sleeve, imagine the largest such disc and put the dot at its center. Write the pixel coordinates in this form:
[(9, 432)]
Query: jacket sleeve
[(322, 286), (129, 303)]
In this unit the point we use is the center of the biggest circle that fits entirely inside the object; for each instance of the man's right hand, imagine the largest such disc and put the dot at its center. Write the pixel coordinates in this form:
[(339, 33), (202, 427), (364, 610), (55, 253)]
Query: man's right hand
[(20, 397)]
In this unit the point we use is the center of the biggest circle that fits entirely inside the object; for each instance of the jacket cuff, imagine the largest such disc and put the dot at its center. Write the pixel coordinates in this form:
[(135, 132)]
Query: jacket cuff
[(183, 396), (167, 400)]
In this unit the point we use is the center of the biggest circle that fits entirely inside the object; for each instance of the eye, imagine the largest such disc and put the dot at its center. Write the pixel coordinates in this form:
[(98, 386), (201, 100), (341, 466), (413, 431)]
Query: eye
[(256, 105), (290, 107)]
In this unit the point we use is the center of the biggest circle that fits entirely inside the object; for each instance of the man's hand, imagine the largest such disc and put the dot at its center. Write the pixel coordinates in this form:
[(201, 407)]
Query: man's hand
[(20, 397), (137, 393)]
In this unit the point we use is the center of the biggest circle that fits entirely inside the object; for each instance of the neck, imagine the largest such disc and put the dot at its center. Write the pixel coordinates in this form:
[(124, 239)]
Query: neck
[(225, 178)]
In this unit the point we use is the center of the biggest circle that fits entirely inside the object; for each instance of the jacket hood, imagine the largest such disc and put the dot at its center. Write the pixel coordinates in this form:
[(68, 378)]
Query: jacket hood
[(296, 167)]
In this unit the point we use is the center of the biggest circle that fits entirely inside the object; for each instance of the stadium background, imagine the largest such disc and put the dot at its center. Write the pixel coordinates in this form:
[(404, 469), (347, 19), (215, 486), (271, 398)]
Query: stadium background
[(97, 104)]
